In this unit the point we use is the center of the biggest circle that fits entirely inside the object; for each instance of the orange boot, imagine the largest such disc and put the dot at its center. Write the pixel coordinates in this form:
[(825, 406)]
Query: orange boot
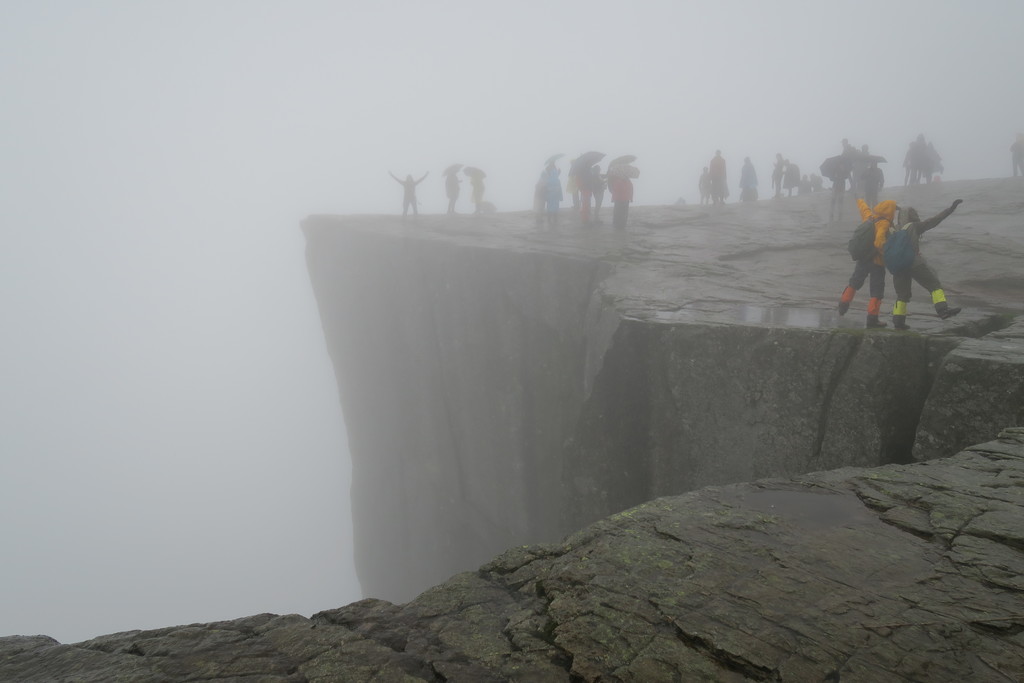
[(846, 299), (874, 308)]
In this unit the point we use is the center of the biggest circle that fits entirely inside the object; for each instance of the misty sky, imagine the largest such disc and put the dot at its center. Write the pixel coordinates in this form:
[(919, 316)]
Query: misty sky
[(171, 444)]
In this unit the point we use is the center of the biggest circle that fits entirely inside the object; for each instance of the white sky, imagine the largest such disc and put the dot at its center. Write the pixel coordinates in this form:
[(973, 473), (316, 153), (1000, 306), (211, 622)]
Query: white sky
[(171, 446)]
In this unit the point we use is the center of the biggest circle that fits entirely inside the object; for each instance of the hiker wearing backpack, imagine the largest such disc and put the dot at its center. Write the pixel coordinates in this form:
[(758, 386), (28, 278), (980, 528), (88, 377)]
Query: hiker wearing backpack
[(902, 255), (866, 249)]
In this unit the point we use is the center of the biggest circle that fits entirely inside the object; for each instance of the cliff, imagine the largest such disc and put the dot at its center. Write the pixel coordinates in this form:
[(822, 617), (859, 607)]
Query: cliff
[(505, 385)]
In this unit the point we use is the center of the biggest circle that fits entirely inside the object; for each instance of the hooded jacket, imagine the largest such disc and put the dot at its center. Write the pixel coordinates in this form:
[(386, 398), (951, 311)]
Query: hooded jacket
[(918, 227), (884, 212), (552, 184), (621, 188)]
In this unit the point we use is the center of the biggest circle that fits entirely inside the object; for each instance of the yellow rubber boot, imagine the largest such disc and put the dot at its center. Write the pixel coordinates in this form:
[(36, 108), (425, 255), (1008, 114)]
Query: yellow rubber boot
[(899, 315)]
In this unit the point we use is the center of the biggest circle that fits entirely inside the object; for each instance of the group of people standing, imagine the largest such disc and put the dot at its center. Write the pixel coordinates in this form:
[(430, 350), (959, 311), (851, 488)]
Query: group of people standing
[(921, 162), (714, 184), (476, 182), (451, 188), (586, 184), (856, 169)]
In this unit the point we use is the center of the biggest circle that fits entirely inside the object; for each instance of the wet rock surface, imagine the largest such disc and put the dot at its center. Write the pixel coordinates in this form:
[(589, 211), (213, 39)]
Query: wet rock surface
[(897, 573), (504, 385)]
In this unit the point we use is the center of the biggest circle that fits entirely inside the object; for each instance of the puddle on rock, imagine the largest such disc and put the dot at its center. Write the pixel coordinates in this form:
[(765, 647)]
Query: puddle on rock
[(786, 316), (809, 509)]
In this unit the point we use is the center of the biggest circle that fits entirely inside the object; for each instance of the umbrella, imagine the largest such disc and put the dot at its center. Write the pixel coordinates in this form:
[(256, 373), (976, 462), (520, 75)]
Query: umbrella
[(877, 159), (474, 171), (623, 171), (835, 167), (627, 159), (454, 168), (585, 161), (553, 158)]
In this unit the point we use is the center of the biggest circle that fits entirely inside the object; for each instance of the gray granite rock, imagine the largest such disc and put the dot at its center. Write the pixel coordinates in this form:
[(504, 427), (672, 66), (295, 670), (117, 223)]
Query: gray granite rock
[(896, 573), (505, 386)]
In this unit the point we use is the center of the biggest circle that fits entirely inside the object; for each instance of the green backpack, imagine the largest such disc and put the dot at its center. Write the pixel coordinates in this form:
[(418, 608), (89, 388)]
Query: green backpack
[(862, 245)]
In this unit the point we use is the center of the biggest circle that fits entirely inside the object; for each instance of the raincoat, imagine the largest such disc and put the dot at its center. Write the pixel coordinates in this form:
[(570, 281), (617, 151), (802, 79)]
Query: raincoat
[(885, 212), (621, 189), (748, 177), (552, 188)]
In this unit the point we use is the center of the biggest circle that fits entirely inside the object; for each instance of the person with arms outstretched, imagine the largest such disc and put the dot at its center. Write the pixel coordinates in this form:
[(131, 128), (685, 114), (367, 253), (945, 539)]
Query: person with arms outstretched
[(409, 199), (918, 271)]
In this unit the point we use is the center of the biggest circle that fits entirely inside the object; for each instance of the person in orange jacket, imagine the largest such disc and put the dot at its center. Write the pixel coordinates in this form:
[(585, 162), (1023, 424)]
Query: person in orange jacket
[(621, 188), (874, 267)]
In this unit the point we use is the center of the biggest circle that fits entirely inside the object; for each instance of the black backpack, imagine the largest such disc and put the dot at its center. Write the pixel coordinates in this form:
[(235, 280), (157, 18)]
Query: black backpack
[(862, 245)]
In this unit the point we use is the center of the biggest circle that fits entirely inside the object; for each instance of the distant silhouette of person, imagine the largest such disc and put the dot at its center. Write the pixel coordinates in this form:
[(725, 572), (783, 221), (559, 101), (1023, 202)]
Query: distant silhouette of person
[(1017, 155), (861, 161), (817, 184), (409, 198), (791, 180), (840, 174), (572, 185), (585, 183), (552, 193), (872, 180), (476, 181), (621, 188), (598, 184), (451, 189), (705, 186), (805, 185), (835, 210), (778, 173), (934, 162), (748, 182), (719, 186), (921, 161)]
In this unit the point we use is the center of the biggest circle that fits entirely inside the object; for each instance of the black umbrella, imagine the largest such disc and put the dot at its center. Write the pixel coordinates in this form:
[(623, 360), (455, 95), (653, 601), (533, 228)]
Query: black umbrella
[(454, 168), (585, 161), (836, 166)]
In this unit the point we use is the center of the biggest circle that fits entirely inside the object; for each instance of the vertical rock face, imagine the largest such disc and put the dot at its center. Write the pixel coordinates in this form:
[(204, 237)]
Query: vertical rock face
[(502, 387), (980, 382), (460, 372), (679, 407)]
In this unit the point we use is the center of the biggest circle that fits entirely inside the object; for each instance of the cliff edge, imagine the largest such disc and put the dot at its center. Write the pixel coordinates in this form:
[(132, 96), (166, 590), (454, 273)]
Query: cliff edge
[(505, 385)]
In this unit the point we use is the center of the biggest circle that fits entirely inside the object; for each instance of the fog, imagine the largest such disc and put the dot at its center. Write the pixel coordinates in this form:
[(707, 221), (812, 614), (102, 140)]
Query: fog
[(171, 444)]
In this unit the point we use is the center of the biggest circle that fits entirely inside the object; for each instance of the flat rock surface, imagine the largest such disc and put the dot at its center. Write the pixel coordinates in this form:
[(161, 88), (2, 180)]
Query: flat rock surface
[(898, 573), (774, 261)]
